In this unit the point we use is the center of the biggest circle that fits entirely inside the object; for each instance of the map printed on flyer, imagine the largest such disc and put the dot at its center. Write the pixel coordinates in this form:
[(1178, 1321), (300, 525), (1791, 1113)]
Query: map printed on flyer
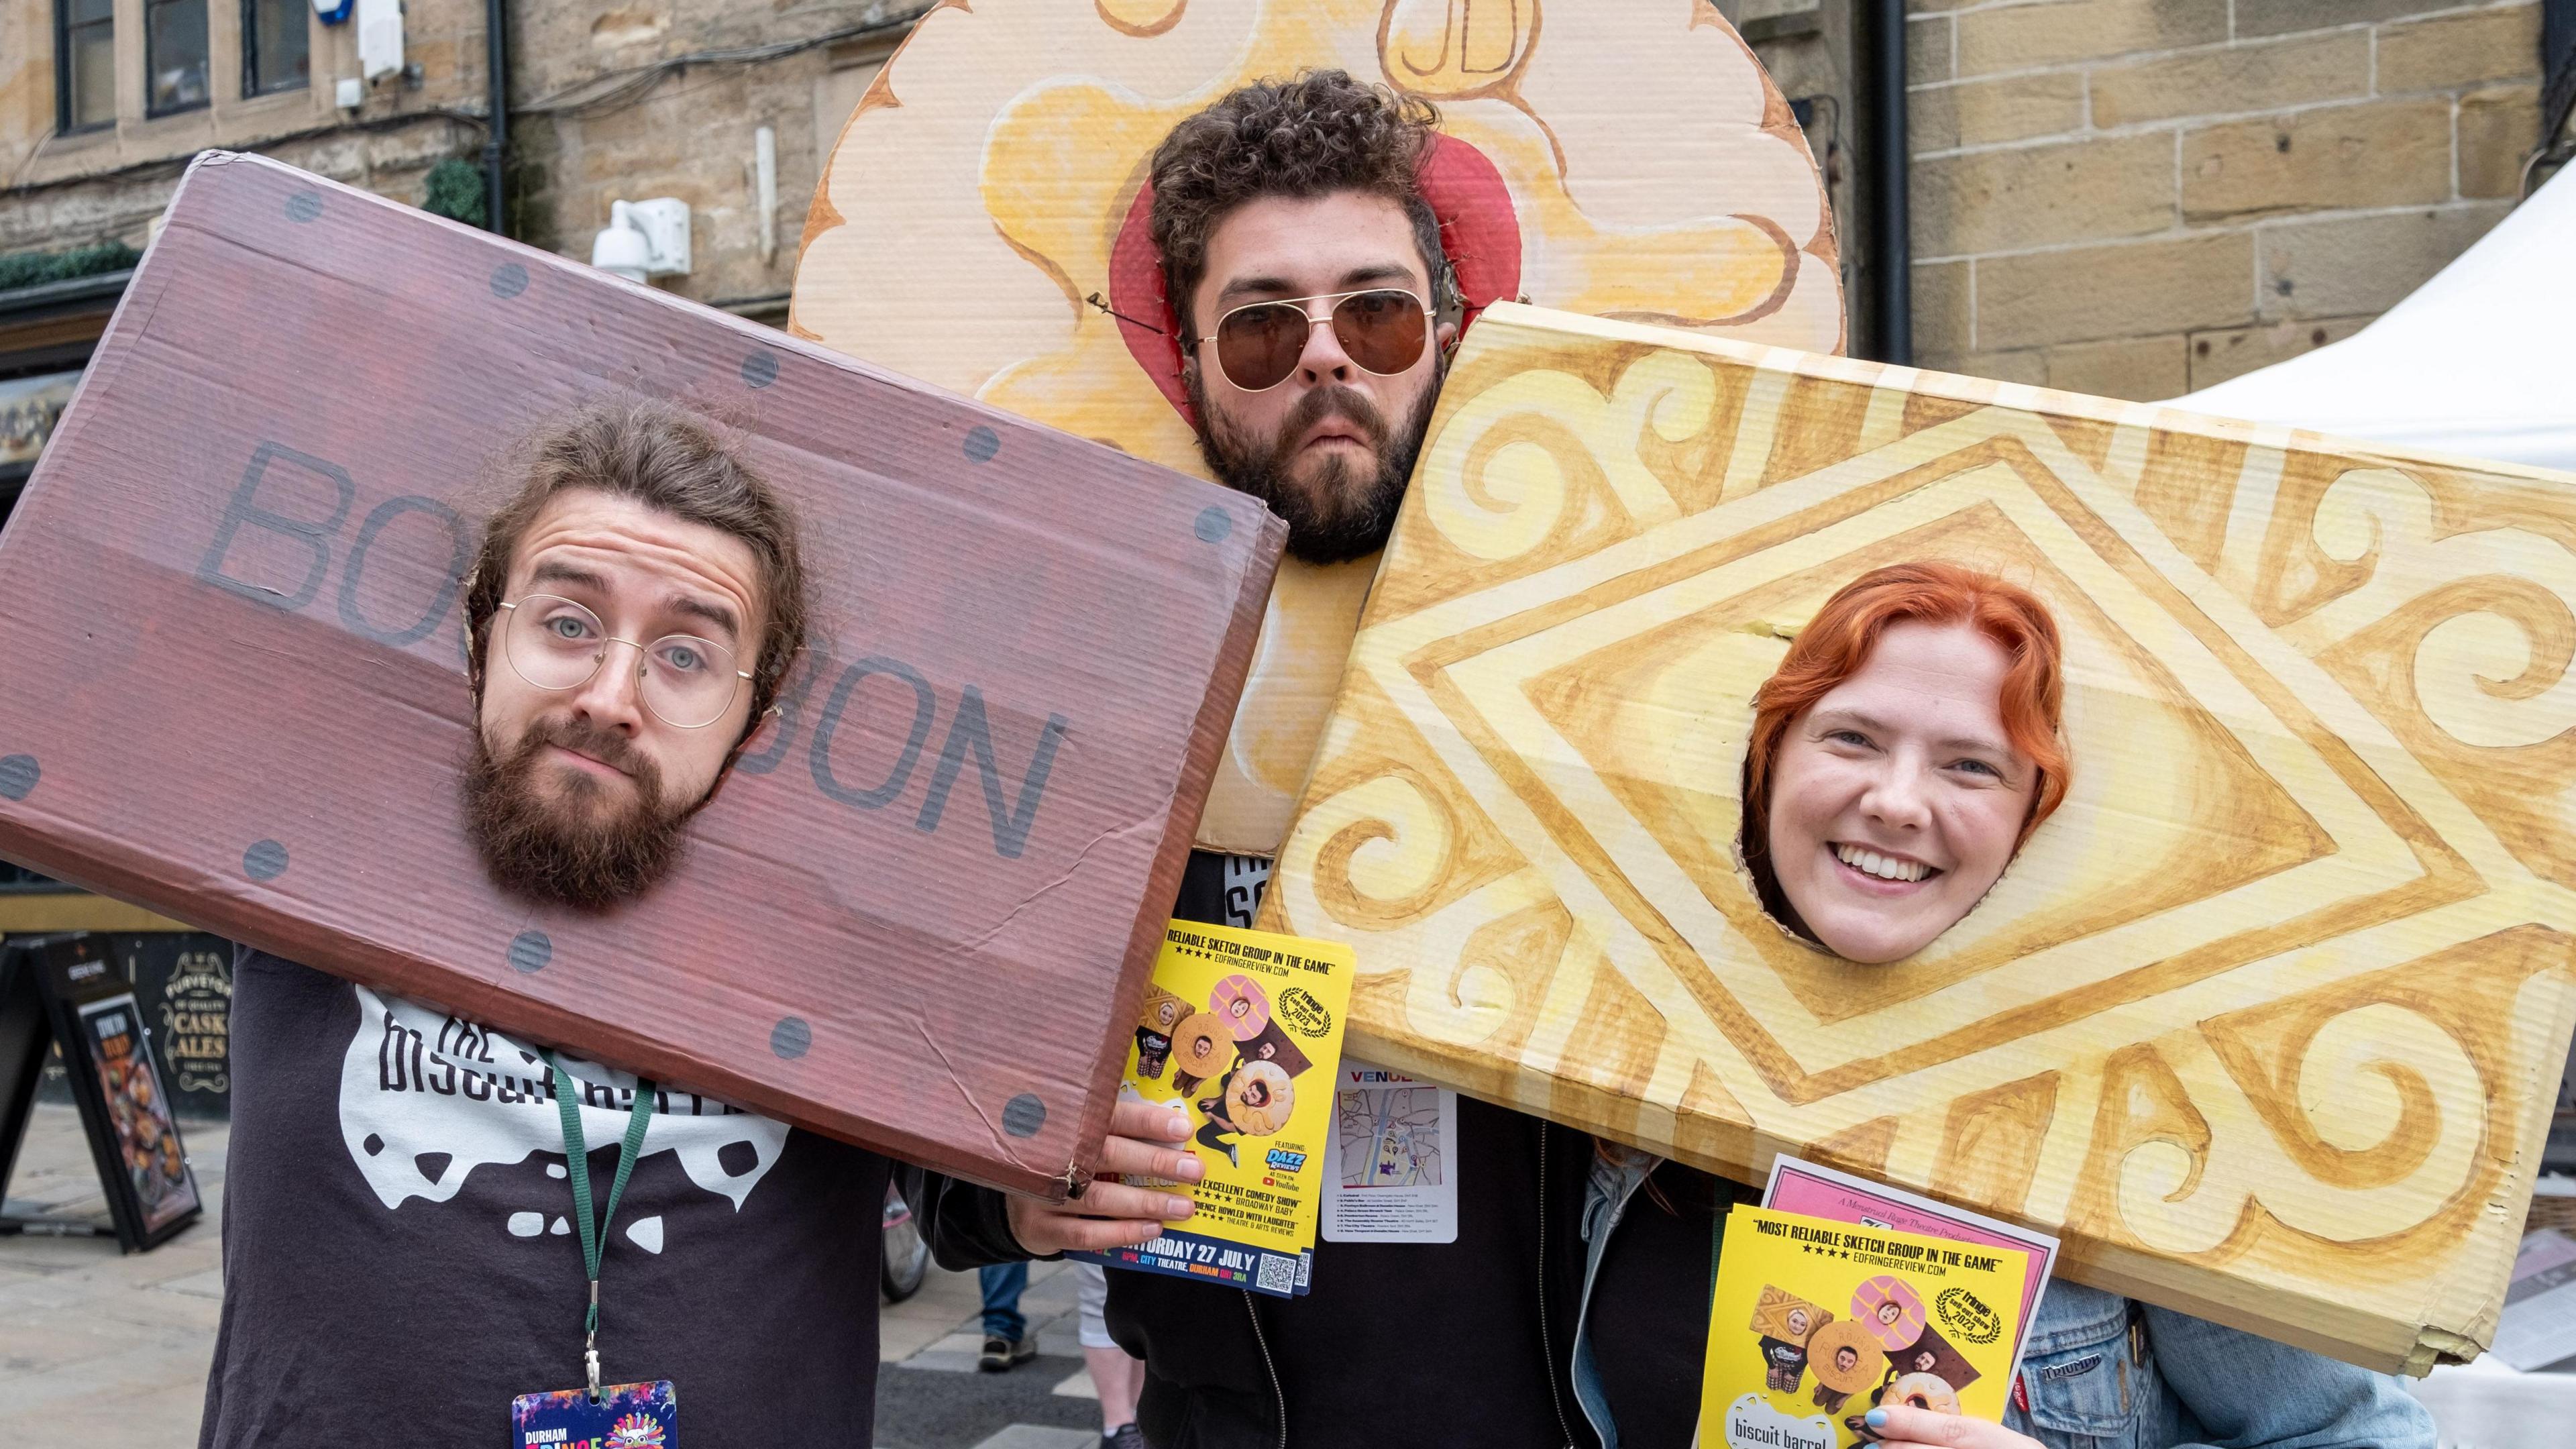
[(1242, 1030), (1391, 1164), (1821, 1192), (1813, 1323)]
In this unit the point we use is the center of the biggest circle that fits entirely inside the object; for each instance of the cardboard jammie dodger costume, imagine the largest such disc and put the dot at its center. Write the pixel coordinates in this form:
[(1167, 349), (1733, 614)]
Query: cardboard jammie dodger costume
[(1628, 160)]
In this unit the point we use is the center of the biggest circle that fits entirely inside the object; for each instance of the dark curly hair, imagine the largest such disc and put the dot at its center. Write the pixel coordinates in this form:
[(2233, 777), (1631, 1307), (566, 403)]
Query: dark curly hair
[(670, 461), (1320, 133)]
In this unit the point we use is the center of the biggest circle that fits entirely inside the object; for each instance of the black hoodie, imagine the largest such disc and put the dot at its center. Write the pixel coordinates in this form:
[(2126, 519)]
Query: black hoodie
[(1396, 1344)]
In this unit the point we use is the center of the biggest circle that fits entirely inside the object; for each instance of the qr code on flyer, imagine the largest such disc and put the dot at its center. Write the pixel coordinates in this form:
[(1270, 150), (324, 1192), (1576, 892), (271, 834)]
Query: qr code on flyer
[(1278, 1274)]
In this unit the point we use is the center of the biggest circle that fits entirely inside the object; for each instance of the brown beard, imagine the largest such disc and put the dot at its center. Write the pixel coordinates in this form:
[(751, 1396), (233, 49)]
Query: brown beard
[(1334, 517), (568, 851)]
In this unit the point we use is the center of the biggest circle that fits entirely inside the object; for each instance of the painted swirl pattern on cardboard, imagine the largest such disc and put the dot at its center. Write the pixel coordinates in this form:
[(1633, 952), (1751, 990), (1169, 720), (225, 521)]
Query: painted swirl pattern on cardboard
[(2265, 1020)]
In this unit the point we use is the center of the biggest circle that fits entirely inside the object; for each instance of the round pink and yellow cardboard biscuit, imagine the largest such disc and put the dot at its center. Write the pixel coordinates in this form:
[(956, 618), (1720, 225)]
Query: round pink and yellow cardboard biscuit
[(1890, 1310), (1623, 160), (1242, 1005)]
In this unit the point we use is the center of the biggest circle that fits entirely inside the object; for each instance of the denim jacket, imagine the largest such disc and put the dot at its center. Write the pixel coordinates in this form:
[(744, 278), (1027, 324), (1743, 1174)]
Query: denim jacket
[(2106, 1372)]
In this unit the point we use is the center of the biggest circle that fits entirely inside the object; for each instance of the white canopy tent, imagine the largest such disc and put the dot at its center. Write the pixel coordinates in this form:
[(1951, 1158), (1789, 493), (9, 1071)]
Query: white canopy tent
[(2475, 362)]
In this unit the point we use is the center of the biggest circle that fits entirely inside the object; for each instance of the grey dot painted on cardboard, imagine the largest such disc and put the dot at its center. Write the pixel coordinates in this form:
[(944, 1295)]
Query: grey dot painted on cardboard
[(303, 206), (531, 950), (18, 775), (265, 860), (508, 280), (1213, 524), (982, 443), (1023, 1115), (791, 1037), (760, 369)]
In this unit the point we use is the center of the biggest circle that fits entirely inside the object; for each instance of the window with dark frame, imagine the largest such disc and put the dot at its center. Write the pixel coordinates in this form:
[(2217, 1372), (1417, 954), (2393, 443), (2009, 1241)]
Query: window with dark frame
[(276, 46), (174, 56), (84, 64)]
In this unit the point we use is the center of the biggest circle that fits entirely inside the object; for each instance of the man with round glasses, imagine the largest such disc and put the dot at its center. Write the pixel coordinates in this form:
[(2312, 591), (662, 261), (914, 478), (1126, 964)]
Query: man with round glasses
[(403, 1240), (599, 736), (1316, 313)]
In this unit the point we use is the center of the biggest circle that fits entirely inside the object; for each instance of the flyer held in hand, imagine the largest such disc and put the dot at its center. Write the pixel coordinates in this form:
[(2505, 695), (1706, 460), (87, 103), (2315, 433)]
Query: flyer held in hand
[(1242, 1031), (1813, 1323)]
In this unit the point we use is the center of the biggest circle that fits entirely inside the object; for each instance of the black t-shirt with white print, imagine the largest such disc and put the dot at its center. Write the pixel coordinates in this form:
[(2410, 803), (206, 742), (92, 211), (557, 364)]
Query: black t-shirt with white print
[(400, 1261)]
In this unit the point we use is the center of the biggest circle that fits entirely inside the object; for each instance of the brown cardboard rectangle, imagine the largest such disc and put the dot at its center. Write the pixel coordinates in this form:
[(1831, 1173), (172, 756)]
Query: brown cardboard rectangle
[(919, 915)]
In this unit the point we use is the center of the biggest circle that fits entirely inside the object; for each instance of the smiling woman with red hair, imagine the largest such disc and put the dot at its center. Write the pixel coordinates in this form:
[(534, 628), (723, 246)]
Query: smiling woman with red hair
[(1901, 754)]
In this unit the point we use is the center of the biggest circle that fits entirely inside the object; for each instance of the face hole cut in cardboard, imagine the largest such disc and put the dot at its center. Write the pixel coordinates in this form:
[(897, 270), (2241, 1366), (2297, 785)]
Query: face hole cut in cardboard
[(1904, 748)]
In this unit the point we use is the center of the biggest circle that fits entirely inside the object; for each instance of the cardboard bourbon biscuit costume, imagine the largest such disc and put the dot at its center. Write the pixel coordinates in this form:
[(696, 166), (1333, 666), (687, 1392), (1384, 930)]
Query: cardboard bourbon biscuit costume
[(2263, 1020), (1623, 160), (233, 621)]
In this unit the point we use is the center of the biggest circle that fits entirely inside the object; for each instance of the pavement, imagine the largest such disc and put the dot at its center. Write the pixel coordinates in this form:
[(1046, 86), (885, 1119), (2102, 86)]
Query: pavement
[(103, 1350)]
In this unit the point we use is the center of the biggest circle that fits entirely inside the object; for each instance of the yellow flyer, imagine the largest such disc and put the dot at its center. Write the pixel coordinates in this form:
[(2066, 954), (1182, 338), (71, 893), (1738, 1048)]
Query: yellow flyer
[(1814, 1323), (1243, 1031)]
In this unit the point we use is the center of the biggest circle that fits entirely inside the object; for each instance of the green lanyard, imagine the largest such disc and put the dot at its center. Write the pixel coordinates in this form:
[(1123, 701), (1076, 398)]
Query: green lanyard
[(577, 1150)]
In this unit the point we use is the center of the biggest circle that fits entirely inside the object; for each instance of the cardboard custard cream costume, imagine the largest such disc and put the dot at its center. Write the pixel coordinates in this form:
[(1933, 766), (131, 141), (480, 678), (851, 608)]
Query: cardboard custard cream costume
[(919, 916), (2263, 1021), (1627, 160)]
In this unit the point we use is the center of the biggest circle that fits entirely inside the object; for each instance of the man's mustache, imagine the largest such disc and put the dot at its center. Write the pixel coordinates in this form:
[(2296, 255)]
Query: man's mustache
[(584, 738), (1333, 402)]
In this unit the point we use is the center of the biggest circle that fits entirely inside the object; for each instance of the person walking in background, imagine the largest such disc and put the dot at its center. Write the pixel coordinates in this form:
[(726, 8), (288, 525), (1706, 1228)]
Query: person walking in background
[(1007, 1343), (1118, 1378)]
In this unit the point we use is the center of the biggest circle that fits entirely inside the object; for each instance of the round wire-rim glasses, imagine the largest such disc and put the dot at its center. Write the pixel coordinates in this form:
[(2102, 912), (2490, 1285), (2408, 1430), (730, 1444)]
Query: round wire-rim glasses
[(1382, 330), (556, 644)]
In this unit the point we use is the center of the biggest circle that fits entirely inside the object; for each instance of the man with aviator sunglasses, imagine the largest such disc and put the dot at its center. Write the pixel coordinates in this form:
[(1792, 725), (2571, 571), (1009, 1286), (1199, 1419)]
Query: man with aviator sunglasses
[(1310, 290), (1318, 402), (1316, 313)]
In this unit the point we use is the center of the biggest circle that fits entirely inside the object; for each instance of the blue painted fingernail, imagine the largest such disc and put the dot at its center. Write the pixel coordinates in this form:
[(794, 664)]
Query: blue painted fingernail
[(1877, 1418)]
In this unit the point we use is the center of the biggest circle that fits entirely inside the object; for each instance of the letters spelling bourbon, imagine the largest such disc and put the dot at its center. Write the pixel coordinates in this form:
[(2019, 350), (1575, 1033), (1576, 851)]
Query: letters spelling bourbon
[(2263, 1023), (279, 482), (1024, 650)]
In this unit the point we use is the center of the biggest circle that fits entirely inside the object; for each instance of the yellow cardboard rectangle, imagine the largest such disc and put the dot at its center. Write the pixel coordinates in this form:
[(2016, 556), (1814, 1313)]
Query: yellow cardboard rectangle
[(2264, 1023)]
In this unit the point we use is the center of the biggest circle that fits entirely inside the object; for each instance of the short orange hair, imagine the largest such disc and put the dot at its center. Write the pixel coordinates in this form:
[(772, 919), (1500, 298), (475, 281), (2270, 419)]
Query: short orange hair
[(1838, 642)]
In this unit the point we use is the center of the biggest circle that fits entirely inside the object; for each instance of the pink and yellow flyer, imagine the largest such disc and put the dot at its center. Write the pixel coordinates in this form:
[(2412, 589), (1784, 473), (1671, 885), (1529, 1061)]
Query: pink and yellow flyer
[(1821, 1192)]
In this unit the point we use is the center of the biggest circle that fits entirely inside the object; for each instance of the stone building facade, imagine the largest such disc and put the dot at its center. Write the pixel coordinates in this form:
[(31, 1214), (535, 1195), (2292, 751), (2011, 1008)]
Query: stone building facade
[(609, 99), (627, 99), (2132, 197), (108, 173), (2142, 197)]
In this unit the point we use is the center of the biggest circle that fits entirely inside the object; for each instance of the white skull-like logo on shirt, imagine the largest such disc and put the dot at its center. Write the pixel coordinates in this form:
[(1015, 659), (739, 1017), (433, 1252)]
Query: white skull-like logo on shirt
[(426, 1098)]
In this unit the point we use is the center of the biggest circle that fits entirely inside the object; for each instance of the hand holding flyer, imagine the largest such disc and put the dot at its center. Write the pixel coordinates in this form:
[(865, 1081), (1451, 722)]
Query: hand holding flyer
[(1813, 1323), (1242, 1030)]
